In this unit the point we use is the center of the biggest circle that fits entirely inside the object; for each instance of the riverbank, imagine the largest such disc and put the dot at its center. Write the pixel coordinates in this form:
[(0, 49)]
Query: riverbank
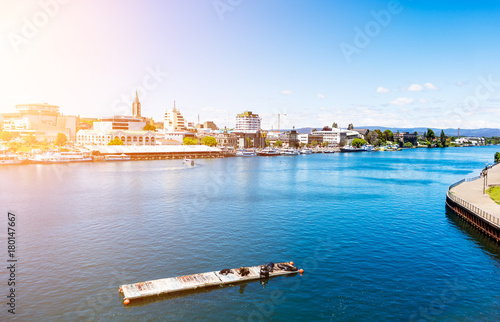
[(468, 199)]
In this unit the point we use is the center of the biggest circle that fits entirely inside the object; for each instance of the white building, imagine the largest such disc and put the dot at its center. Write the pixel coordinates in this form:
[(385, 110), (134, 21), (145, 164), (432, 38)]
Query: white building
[(42, 120), (97, 137), (247, 122), (174, 121), (120, 122)]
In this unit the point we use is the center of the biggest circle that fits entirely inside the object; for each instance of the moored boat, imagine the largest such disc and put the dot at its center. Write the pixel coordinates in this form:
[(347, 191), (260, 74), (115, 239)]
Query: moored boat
[(9, 158), (245, 153), (349, 148), (268, 153), (289, 152)]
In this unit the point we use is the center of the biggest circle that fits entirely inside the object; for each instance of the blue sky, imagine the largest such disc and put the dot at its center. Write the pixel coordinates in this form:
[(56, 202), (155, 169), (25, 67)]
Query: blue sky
[(426, 63)]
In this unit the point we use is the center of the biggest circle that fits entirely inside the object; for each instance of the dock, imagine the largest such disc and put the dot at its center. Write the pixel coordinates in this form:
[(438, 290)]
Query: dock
[(192, 282)]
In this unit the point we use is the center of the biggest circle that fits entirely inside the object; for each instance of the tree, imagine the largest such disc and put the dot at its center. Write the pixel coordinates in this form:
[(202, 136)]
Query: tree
[(430, 135), (249, 142), (209, 140), (408, 145), (14, 146), (268, 142), (30, 139), (497, 157), (357, 142), (350, 126), (116, 141), (61, 139), (189, 141), (372, 138), (324, 144), (6, 136), (442, 138), (313, 130), (149, 127), (278, 143), (314, 143), (389, 136), (334, 125), (380, 136)]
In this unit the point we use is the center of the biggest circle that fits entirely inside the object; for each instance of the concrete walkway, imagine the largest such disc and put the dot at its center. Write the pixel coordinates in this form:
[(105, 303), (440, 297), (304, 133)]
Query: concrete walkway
[(472, 192)]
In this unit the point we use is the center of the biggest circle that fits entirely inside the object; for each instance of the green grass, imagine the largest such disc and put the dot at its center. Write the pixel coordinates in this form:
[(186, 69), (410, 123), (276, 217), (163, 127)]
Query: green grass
[(494, 193)]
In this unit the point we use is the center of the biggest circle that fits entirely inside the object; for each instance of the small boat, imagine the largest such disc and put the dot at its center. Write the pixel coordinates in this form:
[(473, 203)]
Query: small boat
[(268, 153), (246, 153), (328, 151), (189, 162)]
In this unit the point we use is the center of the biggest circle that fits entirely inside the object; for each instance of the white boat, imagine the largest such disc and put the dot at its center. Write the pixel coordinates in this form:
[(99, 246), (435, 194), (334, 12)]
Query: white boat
[(76, 156), (368, 148), (245, 153), (289, 152), (268, 153), (189, 162), (9, 158), (306, 151), (121, 157), (50, 157)]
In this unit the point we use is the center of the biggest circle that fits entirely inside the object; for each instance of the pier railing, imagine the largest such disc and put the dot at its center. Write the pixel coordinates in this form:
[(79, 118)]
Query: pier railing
[(494, 220)]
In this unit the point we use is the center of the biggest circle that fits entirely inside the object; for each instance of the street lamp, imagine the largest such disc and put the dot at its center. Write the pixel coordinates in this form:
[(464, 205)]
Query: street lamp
[(484, 173)]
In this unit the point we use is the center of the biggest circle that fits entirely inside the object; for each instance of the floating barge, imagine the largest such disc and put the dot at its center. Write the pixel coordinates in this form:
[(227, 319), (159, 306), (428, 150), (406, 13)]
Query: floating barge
[(192, 282)]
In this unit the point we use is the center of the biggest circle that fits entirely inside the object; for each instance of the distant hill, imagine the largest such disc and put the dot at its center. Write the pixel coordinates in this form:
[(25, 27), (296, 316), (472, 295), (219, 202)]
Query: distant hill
[(487, 132)]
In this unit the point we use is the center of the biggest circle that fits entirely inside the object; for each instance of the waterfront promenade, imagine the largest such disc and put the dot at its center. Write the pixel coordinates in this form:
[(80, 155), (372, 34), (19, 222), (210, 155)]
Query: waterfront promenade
[(472, 192)]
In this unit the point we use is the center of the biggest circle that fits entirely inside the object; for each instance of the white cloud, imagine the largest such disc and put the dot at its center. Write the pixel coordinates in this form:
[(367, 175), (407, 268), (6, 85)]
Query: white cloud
[(460, 83), (381, 90), (321, 96), (415, 88), (423, 101), (402, 101), (286, 92), (430, 86)]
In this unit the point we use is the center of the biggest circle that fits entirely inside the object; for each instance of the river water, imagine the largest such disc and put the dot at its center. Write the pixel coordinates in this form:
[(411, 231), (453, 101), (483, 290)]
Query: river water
[(370, 230)]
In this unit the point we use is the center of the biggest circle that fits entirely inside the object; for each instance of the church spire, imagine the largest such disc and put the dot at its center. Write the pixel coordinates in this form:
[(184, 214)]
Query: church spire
[(136, 97), (136, 106)]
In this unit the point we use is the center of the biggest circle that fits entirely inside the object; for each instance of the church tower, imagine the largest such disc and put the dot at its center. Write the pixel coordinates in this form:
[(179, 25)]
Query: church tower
[(136, 106)]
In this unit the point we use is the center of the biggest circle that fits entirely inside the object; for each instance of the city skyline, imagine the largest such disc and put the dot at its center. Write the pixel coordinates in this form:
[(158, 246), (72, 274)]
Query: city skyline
[(386, 63)]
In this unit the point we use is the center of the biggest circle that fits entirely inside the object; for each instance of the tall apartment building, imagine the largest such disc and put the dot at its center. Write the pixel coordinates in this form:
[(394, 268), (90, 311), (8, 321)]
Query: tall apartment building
[(247, 122), (174, 121)]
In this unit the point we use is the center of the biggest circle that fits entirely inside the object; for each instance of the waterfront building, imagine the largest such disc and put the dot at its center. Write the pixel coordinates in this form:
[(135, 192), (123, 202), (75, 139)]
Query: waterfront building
[(178, 135), (405, 137), (363, 133), (207, 125), (44, 121), (174, 121), (134, 122), (291, 139), (306, 138), (247, 122), (120, 122), (103, 137), (226, 139)]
